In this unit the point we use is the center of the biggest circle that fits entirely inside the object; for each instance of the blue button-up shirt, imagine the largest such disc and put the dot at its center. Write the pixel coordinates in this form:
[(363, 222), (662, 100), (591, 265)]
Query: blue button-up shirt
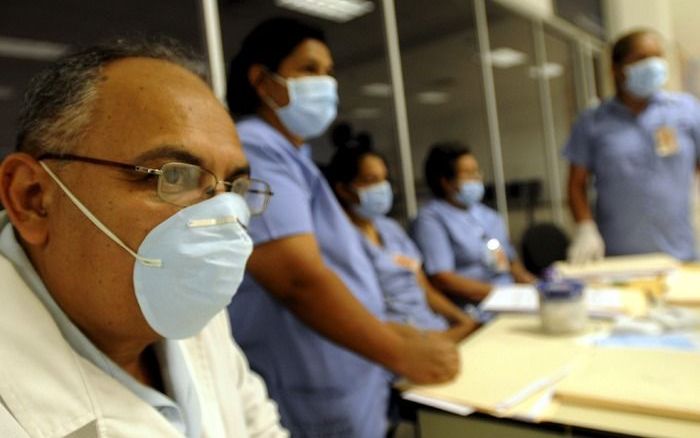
[(643, 197), (321, 388), (180, 407), (453, 239), (396, 262)]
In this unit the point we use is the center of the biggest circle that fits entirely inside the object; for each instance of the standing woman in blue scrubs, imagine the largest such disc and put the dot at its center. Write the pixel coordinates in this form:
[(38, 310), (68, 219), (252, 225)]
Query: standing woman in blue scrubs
[(465, 243), (309, 313), (359, 179)]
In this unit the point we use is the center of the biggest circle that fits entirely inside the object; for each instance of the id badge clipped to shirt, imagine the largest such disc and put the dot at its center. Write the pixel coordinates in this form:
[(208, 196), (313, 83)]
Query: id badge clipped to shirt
[(666, 141), (496, 257)]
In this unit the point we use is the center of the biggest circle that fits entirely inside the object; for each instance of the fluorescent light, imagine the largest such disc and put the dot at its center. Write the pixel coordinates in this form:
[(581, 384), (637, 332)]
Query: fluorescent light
[(340, 11), (6, 93), (376, 89), (548, 70), (433, 97), (30, 49), (505, 57), (366, 113)]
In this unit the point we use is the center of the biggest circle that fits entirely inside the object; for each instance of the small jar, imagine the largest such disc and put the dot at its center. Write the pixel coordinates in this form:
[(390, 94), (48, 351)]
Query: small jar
[(562, 306)]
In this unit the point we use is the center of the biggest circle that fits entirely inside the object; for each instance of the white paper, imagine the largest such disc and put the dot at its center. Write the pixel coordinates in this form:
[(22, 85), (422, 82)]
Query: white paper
[(519, 298), (438, 403)]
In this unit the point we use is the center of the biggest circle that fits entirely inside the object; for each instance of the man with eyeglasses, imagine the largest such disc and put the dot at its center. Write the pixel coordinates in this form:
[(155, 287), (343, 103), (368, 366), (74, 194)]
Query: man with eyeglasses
[(123, 239)]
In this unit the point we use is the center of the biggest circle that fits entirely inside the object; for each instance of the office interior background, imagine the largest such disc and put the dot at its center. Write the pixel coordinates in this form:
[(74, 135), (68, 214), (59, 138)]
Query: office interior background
[(506, 77)]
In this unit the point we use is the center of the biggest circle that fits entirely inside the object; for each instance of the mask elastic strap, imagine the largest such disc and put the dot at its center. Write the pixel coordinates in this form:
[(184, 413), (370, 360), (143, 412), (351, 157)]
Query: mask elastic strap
[(156, 263), (280, 80)]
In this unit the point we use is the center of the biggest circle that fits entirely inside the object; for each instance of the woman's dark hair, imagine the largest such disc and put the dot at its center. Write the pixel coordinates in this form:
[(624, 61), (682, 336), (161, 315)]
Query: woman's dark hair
[(441, 163), (268, 44), (344, 165), (623, 46)]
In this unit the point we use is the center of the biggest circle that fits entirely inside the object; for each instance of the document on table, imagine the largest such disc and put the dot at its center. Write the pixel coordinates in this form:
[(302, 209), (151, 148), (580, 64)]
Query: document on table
[(619, 268), (652, 382), (494, 378), (683, 287), (520, 298)]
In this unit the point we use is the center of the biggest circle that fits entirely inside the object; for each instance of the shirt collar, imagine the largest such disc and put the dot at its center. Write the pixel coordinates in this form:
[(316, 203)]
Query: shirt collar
[(657, 98), (166, 350)]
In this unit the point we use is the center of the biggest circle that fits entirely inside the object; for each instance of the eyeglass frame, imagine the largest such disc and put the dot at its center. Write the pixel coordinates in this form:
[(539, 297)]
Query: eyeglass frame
[(159, 173)]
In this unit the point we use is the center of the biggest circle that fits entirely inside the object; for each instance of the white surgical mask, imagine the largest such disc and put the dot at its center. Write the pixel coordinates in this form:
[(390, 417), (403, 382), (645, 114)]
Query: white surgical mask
[(312, 107), (646, 77), (375, 200), (470, 192), (188, 267)]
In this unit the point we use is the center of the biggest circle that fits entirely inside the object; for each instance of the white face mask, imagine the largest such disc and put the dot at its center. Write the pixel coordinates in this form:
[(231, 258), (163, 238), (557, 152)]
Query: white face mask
[(375, 200), (312, 107), (646, 77), (189, 266)]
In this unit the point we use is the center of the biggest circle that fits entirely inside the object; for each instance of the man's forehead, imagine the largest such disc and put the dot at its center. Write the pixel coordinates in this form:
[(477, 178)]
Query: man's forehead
[(156, 109)]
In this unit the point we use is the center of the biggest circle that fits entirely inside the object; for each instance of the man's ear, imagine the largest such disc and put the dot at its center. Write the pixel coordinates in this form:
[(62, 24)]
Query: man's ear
[(25, 191)]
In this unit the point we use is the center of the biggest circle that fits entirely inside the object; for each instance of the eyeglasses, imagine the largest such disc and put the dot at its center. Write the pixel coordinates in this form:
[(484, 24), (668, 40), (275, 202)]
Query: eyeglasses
[(184, 184)]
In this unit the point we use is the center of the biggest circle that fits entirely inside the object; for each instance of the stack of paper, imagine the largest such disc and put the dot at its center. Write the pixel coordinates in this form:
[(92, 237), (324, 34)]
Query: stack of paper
[(642, 381), (683, 287), (601, 302), (619, 268), (491, 380)]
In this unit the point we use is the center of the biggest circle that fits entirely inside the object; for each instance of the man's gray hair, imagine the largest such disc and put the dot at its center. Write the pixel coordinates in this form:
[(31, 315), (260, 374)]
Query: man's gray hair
[(58, 103)]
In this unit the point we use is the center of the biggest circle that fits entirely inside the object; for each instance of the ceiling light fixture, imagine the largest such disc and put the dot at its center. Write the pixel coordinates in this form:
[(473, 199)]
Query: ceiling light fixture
[(30, 49), (505, 57), (340, 11), (433, 97), (548, 71), (365, 113), (376, 89)]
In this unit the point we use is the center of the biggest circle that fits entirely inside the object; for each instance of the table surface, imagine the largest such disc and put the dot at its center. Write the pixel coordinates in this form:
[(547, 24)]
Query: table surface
[(505, 358)]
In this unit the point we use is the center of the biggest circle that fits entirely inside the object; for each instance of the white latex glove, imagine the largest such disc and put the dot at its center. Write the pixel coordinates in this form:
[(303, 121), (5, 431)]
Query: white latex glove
[(587, 245)]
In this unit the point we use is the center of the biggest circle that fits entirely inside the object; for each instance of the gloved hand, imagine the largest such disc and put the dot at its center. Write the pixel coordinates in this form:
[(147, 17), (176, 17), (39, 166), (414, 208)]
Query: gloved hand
[(587, 245)]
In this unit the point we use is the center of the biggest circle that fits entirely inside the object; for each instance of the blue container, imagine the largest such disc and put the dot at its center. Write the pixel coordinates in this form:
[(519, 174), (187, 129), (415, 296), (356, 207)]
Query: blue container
[(562, 306), (560, 289)]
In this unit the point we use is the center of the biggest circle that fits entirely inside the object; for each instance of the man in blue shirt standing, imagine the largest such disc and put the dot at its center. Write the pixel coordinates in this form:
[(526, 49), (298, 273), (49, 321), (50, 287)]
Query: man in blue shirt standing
[(641, 147)]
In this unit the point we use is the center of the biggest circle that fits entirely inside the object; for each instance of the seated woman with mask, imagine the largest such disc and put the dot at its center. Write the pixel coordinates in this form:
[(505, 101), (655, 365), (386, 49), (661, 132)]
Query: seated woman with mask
[(358, 177), (464, 242)]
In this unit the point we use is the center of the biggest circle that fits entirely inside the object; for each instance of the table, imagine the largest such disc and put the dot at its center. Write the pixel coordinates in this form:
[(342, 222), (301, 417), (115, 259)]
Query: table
[(505, 358)]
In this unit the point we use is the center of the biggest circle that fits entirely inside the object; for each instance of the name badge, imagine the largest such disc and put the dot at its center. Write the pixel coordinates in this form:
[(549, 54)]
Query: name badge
[(496, 257), (407, 262), (666, 141)]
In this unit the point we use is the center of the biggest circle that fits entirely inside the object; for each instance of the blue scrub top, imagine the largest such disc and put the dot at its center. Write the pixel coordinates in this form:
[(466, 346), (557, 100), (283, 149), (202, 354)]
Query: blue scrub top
[(454, 239), (405, 299), (643, 197), (321, 389)]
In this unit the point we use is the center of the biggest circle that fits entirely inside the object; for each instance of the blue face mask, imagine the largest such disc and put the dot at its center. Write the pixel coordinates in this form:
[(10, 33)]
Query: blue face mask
[(646, 77), (313, 104), (375, 200), (189, 266), (470, 192)]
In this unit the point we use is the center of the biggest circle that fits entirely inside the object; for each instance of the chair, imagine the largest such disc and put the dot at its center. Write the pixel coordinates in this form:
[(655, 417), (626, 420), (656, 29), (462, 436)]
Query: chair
[(543, 244)]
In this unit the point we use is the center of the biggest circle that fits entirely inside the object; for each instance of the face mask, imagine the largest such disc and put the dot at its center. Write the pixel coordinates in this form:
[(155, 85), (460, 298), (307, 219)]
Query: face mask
[(313, 104), (188, 267), (375, 200), (646, 77), (470, 192)]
